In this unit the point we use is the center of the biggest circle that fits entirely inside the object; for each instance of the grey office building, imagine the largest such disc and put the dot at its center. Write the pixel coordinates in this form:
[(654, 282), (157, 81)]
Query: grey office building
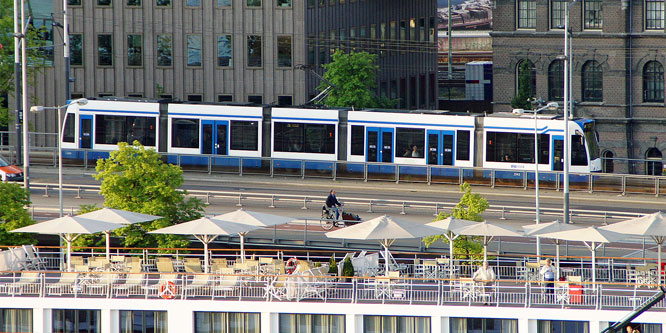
[(231, 50)]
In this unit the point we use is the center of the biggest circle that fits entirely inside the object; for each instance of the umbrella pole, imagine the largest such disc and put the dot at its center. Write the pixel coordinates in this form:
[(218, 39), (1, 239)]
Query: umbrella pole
[(485, 248), (242, 245), (69, 254), (205, 256), (108, 244), (388, 261), (557, 255), (594, 267), (451, 239), (659, 262)]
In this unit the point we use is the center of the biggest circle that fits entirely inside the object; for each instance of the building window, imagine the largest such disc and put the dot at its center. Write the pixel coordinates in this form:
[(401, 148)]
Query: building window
[(403, 30), (254, 51), (526, 74), (224, 51), (143, 321), (16, 320), (284, 51), (284, 3), (304, 323), (592, 82), (256, 99), (395, 324), (254, 3), (556, 81), (562, 326), (193, 50), (526, 14), (164, 50), (66, 321), (422, 30), (285, 101), (193, 3), (654, 165), (593, 14), (557, 8), (74, 2), (224, 3), (311, 3), (483, 325), (76, 50), (194, 98), (133, 3), (654, 14), (205, 322), (653, 82), (225, 98), (104, 50), (134, 47), (163, 3), (322, 3), (104, 2), (608, 163)]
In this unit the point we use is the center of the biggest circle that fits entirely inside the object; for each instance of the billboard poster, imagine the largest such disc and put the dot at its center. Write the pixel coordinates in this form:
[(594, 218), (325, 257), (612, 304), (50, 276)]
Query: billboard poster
[(465, 15)]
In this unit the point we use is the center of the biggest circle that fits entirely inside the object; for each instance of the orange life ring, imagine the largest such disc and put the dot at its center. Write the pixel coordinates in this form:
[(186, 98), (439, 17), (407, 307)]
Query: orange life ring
[(168, 290), (290, 266)]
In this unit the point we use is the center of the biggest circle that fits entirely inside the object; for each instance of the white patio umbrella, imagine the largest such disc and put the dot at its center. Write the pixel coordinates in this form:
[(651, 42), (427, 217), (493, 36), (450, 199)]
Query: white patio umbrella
[(205, 230), (488, 231), (592, 237), (117, 216), (448, 225), (251, 218), (386, 229), (69, 228), (652, 225), (544, 228)]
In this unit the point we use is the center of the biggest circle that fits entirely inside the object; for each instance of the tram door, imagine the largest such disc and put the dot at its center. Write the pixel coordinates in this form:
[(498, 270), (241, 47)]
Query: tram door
[(214, 137), (379, 145), (558, 153), (85, 131), (440, 147)]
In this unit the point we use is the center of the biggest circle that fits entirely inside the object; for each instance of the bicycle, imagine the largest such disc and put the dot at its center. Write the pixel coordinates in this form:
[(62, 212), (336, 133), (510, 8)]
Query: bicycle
[(328, 220)]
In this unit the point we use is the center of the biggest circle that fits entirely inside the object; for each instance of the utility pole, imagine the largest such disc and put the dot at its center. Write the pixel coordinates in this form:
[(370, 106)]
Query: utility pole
[(448, 37), (17, 74), (65, 40), (24, 82)]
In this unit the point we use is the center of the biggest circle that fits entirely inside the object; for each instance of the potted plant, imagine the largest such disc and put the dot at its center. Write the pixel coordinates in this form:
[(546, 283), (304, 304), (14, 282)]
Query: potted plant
[(333, 266), (347, 269)]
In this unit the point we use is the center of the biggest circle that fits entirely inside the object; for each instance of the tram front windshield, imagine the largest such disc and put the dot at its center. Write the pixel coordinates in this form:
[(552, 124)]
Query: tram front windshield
[(590, 132)]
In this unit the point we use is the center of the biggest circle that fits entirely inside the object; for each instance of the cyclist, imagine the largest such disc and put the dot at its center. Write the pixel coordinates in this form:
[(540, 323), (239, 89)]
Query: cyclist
[(333, 203)]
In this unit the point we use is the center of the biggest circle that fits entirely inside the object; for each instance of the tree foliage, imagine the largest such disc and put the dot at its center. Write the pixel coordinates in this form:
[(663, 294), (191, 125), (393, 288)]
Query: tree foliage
[(522, 100), (35, 39), (353, 76), (135, 179), (13, 214), (470, 207)]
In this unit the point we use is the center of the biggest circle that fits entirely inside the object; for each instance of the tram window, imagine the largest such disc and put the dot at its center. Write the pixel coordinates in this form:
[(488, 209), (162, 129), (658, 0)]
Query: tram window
[(288, 137), (501, 147), (320, 138), (544, 148), (409, 142), (578, 153), (113, 129), (308, 138), (244, 135), (185, 133), (525, 148), (69, 133), (462, 146), (357, 140)]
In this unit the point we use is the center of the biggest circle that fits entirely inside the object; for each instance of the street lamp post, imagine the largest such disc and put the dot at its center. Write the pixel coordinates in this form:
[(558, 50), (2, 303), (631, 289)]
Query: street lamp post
[(567, 98), (80, 101), (549, 106)]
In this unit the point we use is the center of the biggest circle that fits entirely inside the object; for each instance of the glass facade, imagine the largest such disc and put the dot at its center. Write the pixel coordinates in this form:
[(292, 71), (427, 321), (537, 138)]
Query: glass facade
[(226, 322), (561, 326), (483, 325), (396, 324), (143, 322), (311, 323), (76, 321), (16, 320)]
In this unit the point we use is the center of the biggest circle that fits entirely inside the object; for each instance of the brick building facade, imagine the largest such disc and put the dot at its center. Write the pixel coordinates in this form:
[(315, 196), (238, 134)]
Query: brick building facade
[(619, 53)]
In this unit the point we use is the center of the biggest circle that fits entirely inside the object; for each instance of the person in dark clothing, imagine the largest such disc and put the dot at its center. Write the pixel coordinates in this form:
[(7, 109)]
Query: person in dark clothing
[(332, 202)]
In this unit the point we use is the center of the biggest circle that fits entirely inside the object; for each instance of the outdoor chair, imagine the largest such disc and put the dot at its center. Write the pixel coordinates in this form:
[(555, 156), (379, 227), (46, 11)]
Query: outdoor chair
[(98, 263), (226, 284), (33, 259), (118, 259), (164, 265), (103, 285), (192, 265), (164, 280), (20, 259), (65, 285), (134, 282), (28, 283), (77, 261), (199, 286)]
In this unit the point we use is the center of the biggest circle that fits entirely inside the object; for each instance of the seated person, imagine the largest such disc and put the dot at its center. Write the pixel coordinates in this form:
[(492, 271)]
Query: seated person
[(484, 274), (415, 151)]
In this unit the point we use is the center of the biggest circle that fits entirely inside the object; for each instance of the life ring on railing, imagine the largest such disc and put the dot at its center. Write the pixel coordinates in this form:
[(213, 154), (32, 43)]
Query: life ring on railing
[(290, 266), (168, 290)]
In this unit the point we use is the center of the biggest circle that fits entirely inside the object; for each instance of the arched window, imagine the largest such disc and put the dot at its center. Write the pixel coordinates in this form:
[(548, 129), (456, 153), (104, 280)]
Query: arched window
[(653, 82), (592, 82), (653, 166), (607, 158), (526, 75), (556, 81)]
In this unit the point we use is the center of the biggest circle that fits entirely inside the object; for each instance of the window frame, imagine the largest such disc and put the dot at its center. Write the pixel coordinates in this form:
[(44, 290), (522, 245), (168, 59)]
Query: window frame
[(231, 58), (187, 47), (653, 82), (291, 51), (127, 50), (157, 51), (218, 5), (247, 4), (648, 19), (552, 77), (595, 6), (162, 6), (528, 22), (561, 13), (97, 44), (247, 50), (592, 81), (71, 52), (133, 6)]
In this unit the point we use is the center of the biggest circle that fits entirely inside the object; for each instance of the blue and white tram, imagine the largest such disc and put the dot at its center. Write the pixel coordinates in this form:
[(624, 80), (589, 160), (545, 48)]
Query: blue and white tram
[(100, 125), (191, 133)]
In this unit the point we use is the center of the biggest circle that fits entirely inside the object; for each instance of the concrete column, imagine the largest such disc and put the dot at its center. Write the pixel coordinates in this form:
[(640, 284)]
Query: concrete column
[(353, 323), (41, 320), (179, 320), (108, 325), (528, 325), (269, 322), (446, 324), (435, 324), (595, 326)]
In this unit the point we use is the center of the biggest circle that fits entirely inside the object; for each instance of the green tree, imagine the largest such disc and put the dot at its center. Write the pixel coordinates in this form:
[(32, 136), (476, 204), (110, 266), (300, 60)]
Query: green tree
[(35, 39), (525, 89), (353, 76), (135, 179), (470, 207), (14, 215)]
